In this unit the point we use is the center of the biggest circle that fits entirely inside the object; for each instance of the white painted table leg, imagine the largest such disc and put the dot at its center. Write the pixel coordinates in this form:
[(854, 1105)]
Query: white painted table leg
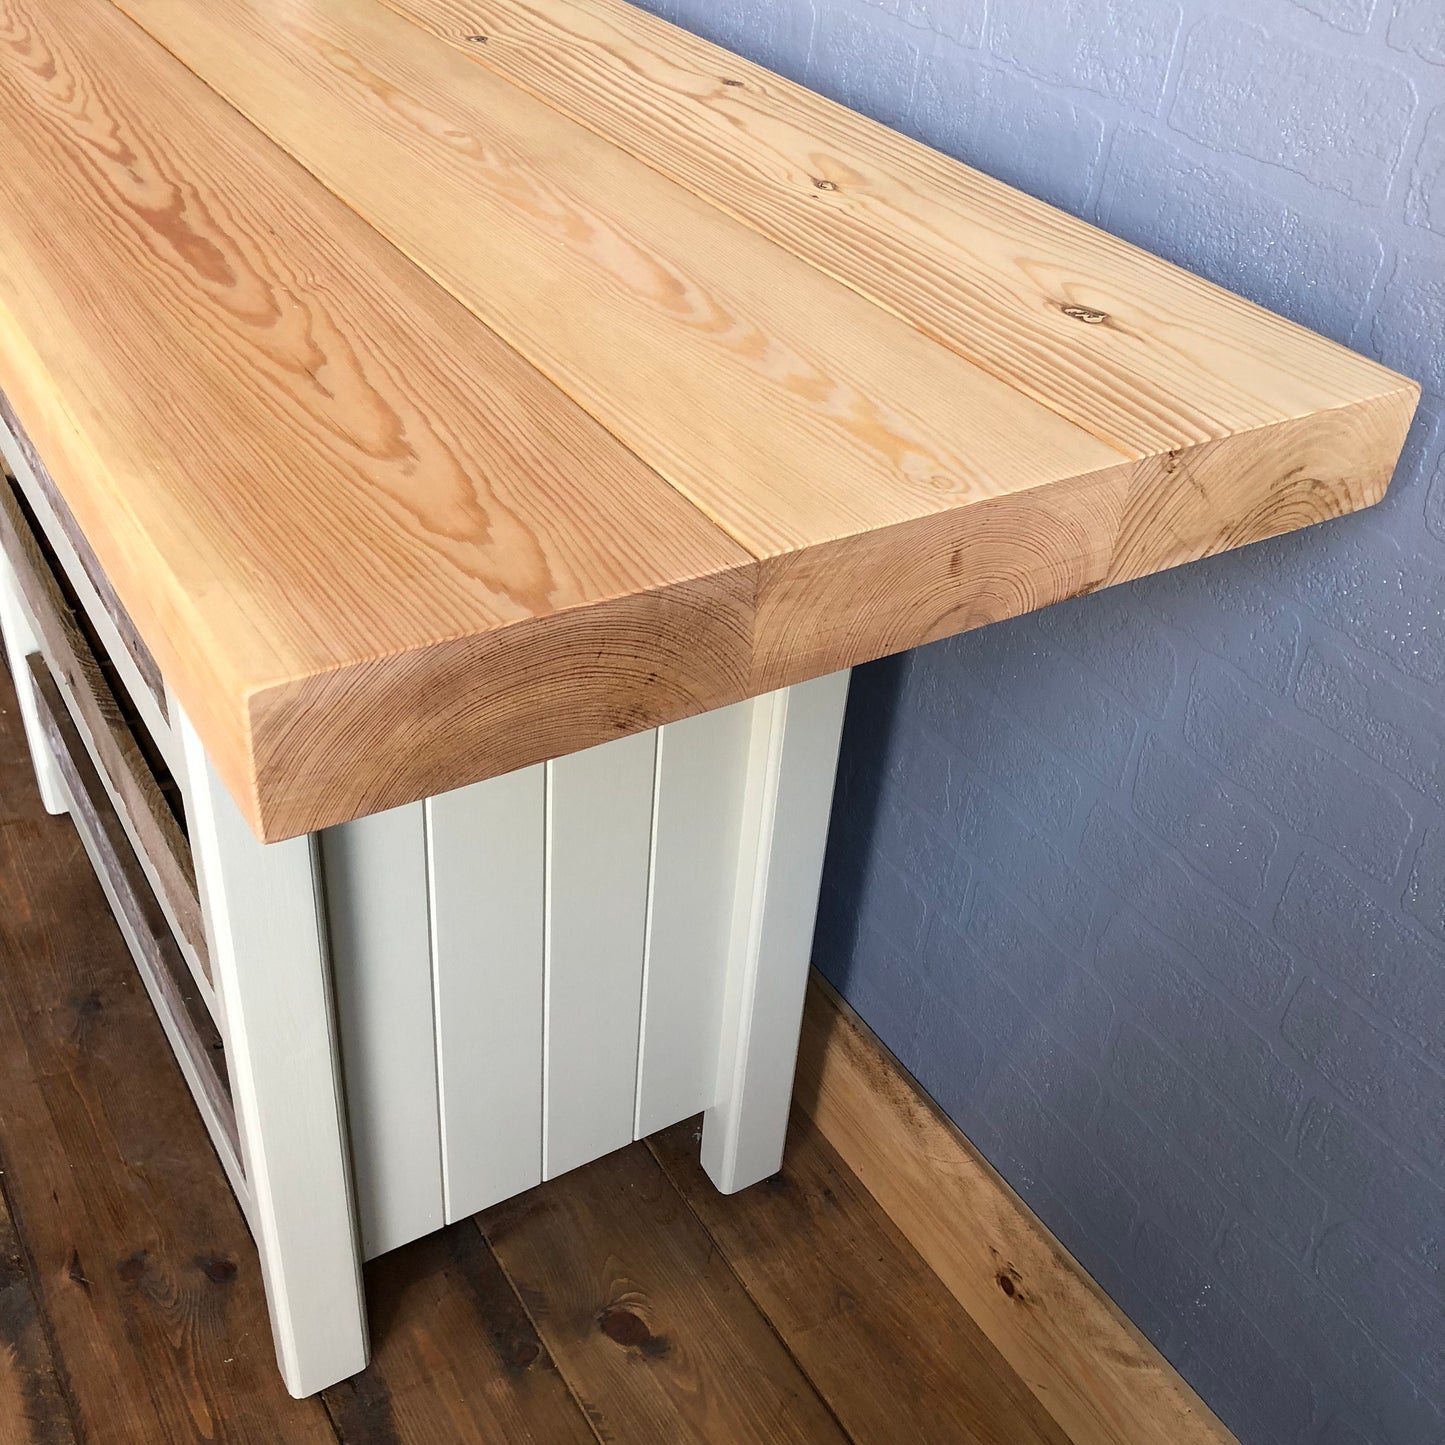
[(19, 644), (264, 925), (789, 792)]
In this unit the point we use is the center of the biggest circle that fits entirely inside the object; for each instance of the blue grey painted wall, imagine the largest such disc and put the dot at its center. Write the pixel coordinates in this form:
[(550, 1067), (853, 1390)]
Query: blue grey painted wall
[(1149, 890)]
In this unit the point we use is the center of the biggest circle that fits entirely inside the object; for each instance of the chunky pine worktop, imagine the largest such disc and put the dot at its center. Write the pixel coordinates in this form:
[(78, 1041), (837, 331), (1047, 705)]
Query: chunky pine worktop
[(445, 385)]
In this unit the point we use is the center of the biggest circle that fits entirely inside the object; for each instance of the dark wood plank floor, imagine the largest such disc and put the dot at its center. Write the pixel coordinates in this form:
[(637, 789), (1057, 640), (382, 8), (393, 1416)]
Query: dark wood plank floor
[(626, 1302)]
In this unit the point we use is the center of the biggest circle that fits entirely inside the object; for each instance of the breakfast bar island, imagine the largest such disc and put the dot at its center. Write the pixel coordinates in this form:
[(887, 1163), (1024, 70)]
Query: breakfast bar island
[(456, 450)]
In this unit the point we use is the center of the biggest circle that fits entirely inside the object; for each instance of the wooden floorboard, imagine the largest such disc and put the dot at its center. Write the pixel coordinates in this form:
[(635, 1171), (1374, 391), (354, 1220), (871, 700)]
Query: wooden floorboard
[(856, 1304), (456, 1360), (34, 1408), (144, 1269), (644, 1316), (1084, 1360), (626, 1302)]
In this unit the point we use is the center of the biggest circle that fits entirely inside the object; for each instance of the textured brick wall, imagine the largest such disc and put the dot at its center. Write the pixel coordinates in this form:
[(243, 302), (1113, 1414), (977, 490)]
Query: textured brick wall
[(1149, 890)]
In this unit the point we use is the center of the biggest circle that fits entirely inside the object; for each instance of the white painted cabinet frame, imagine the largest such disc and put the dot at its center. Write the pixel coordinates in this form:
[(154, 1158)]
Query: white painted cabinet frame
[(434, 1008), (19, 638), (266, 933)]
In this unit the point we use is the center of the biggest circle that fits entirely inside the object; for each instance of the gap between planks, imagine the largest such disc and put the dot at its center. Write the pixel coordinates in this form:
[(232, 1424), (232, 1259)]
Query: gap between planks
[(853, 1302)]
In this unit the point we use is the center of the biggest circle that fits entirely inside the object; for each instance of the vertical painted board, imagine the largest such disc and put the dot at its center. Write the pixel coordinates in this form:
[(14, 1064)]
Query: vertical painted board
[(487, 846), (376, 902), (265, 929), (20, 642), (599, 830), (789, 796), (702, 768)]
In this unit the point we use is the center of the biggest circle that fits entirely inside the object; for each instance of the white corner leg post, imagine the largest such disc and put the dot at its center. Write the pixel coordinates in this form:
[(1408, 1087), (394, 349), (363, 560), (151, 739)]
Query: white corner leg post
[(266, 932), (792, 766), (19, 644)]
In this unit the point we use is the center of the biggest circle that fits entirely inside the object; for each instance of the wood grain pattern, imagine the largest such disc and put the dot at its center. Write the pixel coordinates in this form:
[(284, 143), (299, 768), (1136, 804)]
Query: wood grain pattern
[(862, 1309), (1008, 556), (694, 340), (142, 808), (688, 427), (138, 1298), (457, 1361), (1129, 347), (348, 468), (1101, 1380), (33, 1406), (138, 652), (645, 1319), (142, 1262)]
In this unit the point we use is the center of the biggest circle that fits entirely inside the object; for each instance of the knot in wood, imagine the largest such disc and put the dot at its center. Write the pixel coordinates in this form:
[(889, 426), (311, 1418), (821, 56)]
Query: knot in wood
[(217, 1268), (1086, 314), (630, 1330)]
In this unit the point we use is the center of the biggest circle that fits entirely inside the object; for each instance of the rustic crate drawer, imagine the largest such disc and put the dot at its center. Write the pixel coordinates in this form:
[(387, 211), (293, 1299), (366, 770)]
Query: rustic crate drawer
[(131, 770), (193, 1035)]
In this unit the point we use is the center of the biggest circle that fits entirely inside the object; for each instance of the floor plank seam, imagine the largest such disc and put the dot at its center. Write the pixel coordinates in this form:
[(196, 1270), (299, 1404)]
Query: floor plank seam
[(557, 1362), (748, 1294), (42, 1315), (339, 1430)]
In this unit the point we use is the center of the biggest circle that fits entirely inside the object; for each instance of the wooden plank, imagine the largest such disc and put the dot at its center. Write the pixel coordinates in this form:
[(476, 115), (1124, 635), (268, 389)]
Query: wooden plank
[(702, 348), (141, 1259), (793, 760), (1090, 1367), (856, 1304), (440, 568), (458, 1362), (1006, 556), (264, 926), (415, 552), (1131, 348), (487, 854), (702, 766), (151, 826), (599, 832), (34, 1408), (857, 561), (184, 1016), (984, 538), (374, 875), (644, 1317)]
